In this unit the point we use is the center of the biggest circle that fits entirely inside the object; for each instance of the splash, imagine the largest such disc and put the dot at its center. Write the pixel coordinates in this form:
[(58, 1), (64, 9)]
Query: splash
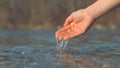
[(61, 45)]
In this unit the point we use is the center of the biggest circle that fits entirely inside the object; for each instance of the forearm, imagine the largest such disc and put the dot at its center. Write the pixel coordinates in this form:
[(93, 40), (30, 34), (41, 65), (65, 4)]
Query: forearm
[(101, 6)]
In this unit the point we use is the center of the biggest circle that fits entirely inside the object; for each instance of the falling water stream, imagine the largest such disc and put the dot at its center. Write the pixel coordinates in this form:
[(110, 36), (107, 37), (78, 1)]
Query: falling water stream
[(61, 45)]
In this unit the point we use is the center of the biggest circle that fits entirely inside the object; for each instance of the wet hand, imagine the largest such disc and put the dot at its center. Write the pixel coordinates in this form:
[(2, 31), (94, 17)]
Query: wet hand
[(75, 25)]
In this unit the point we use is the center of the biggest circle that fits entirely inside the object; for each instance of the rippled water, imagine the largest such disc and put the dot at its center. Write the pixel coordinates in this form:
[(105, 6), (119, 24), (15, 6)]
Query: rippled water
[(38, 49)]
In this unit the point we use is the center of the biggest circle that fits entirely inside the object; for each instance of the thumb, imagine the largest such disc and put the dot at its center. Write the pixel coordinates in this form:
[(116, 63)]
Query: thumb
[(68, 20)]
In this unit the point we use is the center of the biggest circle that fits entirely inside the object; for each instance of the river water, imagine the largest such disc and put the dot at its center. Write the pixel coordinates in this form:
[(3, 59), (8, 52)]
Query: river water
[(38, 49)]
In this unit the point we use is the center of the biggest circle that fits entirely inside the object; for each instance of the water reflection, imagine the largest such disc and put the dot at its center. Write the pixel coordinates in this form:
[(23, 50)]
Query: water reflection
[(37, 49)]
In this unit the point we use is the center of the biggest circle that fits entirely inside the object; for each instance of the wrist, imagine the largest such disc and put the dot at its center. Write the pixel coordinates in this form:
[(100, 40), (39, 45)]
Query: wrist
[(93, 12), (98, 8)]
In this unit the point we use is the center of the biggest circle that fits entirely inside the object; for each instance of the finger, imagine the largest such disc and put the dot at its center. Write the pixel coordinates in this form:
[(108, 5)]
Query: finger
[(68, 36), (64, 36), (59, 33), (68, 20), (65, 28), (61, 37), (62, 29), (71, 34)]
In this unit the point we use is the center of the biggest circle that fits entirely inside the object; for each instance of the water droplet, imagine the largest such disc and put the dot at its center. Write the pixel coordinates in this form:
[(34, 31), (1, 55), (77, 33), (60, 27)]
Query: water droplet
[(61, 45)]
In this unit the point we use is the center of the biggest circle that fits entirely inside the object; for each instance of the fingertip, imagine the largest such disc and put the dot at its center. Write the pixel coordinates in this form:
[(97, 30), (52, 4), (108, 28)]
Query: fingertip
[(58, 32), (57, 37), (66, 38), (55, 33)]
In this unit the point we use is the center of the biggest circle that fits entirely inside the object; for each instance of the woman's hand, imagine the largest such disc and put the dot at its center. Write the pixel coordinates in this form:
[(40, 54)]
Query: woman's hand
[(75, 25), (79, 22)]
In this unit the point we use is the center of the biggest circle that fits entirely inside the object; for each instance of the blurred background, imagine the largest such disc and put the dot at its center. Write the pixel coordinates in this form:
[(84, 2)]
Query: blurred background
[(46, 14), (27, 40)]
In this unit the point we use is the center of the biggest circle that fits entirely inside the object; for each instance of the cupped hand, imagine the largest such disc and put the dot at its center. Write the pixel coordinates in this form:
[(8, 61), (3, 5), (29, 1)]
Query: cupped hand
[(75, 25)]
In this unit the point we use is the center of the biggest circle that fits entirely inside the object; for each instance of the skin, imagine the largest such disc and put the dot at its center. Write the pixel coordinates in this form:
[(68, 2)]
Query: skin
[(80, 21)]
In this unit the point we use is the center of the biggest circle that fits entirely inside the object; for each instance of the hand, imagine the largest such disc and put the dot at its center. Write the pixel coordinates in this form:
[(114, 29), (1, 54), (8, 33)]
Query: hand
[(75, 25)]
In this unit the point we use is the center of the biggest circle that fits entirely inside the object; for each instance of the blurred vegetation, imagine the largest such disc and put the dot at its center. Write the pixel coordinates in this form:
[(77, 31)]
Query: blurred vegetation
[(43, 14)]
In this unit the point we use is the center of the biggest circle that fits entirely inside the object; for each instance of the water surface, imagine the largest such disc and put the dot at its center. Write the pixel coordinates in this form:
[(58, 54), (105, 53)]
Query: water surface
[(37, 49)]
